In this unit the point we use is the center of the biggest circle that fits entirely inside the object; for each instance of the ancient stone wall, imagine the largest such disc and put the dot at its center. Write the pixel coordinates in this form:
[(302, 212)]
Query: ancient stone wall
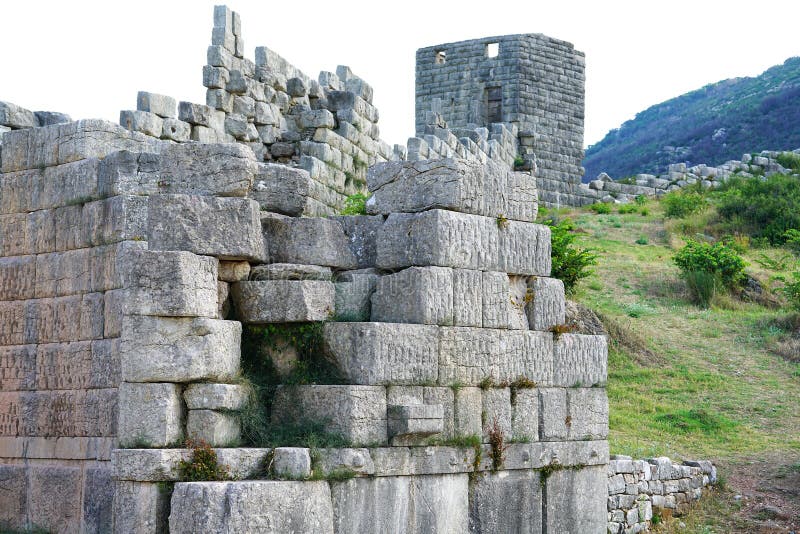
[(534, 82), (638, 490)]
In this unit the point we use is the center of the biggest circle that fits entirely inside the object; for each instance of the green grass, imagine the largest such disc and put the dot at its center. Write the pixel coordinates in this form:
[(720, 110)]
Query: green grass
[(708, 384)]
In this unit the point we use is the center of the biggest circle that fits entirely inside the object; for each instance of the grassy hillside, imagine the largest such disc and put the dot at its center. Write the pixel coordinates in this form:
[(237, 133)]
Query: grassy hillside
[(688, 382), (711, 125)]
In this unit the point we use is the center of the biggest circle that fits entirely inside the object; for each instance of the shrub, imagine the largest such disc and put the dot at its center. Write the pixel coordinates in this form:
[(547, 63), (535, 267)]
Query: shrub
[(627, 208), (791, 290), (792, 240), (789, 160), (678, 204), (571, 263), (717, 259), (708, 268), (761, 207), (355, 204), (640, 200), (202, 465), (642, 240), (601, 208)]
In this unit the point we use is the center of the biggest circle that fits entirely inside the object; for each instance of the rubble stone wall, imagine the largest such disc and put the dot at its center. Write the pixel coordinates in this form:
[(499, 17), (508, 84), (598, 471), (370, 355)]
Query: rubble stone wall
[(638, 490)]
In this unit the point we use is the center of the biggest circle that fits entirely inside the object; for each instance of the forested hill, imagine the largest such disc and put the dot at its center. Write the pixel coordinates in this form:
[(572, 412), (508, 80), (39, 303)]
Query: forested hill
[(711, 125)]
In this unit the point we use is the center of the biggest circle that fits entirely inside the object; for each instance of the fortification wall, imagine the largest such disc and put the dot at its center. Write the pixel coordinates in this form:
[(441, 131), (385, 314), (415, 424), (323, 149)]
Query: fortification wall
[(532, 82)]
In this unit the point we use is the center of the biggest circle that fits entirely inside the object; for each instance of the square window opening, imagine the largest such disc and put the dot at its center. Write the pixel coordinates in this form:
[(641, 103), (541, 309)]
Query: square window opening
[(492, 49), (440, 57)]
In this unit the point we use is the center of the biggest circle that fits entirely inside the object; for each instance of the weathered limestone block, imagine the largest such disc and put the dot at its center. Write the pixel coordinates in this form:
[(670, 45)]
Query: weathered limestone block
[(233, 271), (471, 355), (546, 306), (166, 349), (496, 403), (142, 121), (354, 292), (467, 411), (108, 221), (525, 414), (467, 297), (588, 413), (410, 423), (419, 295), (383, 353), (53, 320), (580, 360), (450, 239), (215, 428), (111, 265), (150, 414), (555, 419), (267, 506), (98, 500), (291, 462), (290, 271), (508, 501), (169, 283), (13, 496), (576, 500), (283, 301), (401, 504), (60, 274), (356, 461), (17, 117), (175, 130), (229, 228), (357, 413), (215, 396), (76, 365), (35, 148), (140, 508), (17, 278), (458, 185), (502, 308), (18, 368), (62, 185), (161, 105), (55, 502), (312, 241), (282, 189), (361, 232)]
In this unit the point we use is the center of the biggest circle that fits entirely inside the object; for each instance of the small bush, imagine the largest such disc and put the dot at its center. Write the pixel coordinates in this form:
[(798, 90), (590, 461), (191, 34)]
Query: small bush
[(202, 464), (644, 212), (642, 240), (571, 263), (789, 160), (624, 209), (717, 259), (640, 200), (678, 204), (704, 286), (791, 290), (601, 208), (792, 240), (355, 204)]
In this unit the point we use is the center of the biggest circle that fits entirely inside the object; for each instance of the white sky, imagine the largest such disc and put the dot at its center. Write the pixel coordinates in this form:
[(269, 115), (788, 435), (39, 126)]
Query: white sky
[(89, 59)]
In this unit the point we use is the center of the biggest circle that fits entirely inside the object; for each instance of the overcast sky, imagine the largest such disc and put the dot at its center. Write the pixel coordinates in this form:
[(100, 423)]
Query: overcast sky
[(89, 59)]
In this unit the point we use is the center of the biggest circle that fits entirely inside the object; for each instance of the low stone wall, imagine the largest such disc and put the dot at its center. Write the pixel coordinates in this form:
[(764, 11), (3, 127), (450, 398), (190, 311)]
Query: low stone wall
[(678, 176), (638, 490)]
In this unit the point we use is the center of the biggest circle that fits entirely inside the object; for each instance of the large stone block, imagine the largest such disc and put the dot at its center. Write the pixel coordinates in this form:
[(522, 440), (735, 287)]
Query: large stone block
[(420, 295), (546, 305), (140, 508), (169, 283), (555, 419), (576, 500), (111, 220), (17, 278), (491, 190), (507, 501), (467, 412), (55, 498), (361, 232), (450, 239), (469, 356), (166, 349), (98, 500), (205, 396), (161, 105), (496, 403), (282, 189), (503, 301), (467, 297), (354, 290), (311, 241), (267, 506), (525, 414), (189, 168), (218, 429), (17, 117), (580, 360), (283, 301), (18, 368), (13, 496), (58, 144), (401, 504), (383, 353), (150, 414), (588, 413), (357, 413), (229, 228)]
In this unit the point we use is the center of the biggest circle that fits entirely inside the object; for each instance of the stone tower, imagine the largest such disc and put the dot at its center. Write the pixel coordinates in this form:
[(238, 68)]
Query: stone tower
[(529, 81)]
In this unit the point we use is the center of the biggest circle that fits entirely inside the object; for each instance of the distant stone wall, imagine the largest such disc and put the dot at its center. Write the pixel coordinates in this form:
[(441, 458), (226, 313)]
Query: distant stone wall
[(678, 175), (640, 489), (534, 83)]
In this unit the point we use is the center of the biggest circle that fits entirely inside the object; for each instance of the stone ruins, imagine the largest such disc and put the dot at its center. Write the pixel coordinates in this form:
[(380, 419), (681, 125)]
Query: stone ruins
[(142, 265)]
